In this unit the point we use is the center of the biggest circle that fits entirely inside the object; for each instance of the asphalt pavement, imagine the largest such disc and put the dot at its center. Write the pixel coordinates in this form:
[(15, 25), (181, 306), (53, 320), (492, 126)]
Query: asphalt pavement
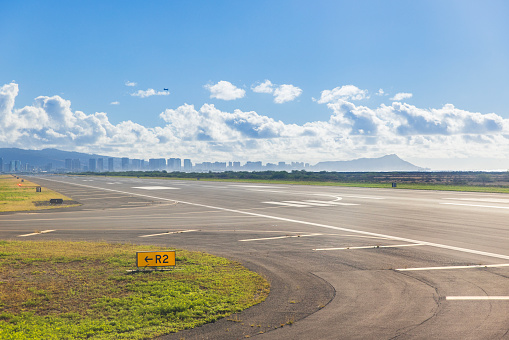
[(343, 263)]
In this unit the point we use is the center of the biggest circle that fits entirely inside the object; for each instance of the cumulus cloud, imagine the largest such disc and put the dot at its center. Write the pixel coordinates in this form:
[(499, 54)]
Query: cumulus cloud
[(282, 93), (149, 93), (346, 92), (130, 83), (380, 92), (206, 133), (401, 95), (115, 103), (225, 90), (286, 93), (265, 87)]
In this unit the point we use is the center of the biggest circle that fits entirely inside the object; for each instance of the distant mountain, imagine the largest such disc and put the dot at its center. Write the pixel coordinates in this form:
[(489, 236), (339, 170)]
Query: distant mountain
[(41, 158), (385, 163)]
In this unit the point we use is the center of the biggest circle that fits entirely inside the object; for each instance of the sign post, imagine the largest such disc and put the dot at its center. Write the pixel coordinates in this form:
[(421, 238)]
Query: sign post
[(165, 258)]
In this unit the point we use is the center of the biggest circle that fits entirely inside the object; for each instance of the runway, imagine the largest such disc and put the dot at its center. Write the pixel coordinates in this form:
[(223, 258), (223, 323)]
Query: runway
[(344, 263)]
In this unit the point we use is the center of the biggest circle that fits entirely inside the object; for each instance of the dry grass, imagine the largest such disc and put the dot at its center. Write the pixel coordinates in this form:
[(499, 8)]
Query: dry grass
[(16, 195)]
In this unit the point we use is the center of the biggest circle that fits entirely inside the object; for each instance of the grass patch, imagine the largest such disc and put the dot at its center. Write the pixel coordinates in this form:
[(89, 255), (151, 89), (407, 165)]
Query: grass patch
[(22, 198), (78, 290)]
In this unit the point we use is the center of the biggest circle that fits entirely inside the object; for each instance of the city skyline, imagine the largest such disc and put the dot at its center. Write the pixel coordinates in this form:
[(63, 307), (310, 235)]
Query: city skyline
[(281, 81)]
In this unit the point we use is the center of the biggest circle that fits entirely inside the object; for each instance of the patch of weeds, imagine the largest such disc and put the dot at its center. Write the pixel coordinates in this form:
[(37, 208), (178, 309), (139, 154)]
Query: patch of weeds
[(81, 290)]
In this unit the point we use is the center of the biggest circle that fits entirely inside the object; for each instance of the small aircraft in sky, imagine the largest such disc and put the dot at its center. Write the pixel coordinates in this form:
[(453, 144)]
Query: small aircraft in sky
[(166, 89)]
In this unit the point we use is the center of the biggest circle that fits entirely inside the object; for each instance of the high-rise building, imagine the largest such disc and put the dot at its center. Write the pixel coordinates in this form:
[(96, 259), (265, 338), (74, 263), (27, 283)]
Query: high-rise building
[(111, 166), (68, 164), (76, 165), (188, 166), (136, 164), (100, 164), (253, 166), (174, 164), (125, 163), (92, 162), (157, 164), (1, 164)]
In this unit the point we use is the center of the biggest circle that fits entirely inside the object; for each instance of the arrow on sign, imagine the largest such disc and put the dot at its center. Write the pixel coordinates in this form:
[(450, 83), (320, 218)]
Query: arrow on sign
[(147, 259)]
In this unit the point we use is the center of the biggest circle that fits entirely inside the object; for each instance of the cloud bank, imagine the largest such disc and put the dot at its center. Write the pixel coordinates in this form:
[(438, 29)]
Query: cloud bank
[(207, 133)]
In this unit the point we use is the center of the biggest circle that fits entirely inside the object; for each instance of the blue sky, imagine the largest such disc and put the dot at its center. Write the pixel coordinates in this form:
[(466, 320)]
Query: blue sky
[(440, 52)]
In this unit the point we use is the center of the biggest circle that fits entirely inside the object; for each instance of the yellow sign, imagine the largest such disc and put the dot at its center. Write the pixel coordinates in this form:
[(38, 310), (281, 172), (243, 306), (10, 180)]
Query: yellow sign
[(155, 258)]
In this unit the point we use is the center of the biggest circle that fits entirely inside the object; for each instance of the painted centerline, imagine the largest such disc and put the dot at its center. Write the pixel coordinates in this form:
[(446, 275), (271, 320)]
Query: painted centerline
[(169, 233), (371, 247), (278, 237), (456, 267)]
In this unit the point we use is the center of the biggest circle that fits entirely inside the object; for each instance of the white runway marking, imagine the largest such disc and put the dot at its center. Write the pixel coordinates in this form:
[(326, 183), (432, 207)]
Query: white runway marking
[(288, 204), (491, 200), (372, 247), (277, 237), (457, 267), (330, 202), (476, 205), (309, 203), (477, 297), (155, 188), (169, 233), (32, 234), (256, 186), (319, 225)]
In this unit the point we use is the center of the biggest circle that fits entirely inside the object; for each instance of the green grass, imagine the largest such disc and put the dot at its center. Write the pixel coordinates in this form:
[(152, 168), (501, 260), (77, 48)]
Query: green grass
[(14, 197), (79, 290)]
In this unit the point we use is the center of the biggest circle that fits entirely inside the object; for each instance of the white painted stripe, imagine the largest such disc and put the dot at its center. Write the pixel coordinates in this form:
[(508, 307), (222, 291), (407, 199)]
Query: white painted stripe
[(492, 200), (309, 203), (288, 204), (477, 297), (396, 238), (169, 233), (476, 205), (457, 267), (39, 233), (330, 202), (278, 237), (98, 198), (371, 247), (156, 188)]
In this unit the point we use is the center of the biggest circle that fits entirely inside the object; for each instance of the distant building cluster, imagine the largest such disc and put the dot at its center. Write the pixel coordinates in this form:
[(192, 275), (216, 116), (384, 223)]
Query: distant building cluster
[(153, 164), (174, 165)]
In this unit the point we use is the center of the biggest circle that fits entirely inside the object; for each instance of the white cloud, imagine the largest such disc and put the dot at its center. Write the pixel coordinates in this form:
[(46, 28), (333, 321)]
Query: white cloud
[(149, 93), (225, 90), (380, 92), (282, 93), (286, 93), (346, 92), (130, 83), (401, 95), (265, 87), (207, 133), (115, 103)]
